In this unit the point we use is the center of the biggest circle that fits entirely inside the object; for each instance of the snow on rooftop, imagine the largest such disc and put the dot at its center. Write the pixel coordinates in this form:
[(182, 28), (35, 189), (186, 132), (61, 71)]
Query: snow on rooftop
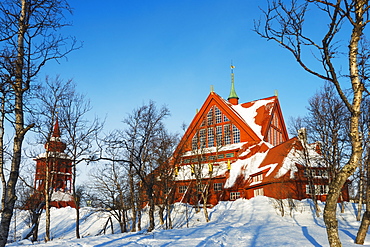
[(54, 155), (214, 149), (249, 114), (218, 169), (61, 196), (288, 164), (297, 156), (244, 167)]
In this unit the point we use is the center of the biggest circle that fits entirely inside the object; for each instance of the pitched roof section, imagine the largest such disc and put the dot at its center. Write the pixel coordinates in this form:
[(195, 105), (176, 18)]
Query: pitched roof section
[(56, 130), (259, 114), (254, 119)]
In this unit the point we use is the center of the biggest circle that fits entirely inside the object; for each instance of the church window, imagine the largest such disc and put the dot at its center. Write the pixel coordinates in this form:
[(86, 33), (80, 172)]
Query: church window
[(202, 134), (201, 187), (257, 178), (320, 189), (234, 195), (229, 155), (218, 115), (236, 134), (258, 192), (212, 157), (210, 117), (217, 186), (219, 135), (182, 189), (227, 134), (275, 136), (203, 123), (211, 137), (194, 142), (220, 156)]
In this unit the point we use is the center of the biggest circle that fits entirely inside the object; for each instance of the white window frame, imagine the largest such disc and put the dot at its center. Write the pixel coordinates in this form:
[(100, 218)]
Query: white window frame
[(227, 134), (320, 189), (200, 188), (258, 192), (211, 137), (218, 186), (218, 115), (234, 195), (194, 142), (219, 135), (210, 117), (236, 134), (258, 178), (183, 189), (202, 137)]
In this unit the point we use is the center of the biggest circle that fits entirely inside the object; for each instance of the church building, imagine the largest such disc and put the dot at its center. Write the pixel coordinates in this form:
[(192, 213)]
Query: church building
[(237, 150)]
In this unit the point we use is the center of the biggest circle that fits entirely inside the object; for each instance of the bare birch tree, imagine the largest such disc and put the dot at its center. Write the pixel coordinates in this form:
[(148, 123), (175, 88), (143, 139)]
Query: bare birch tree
[(344, 19), (109, 185), (28, 39), (80, 135), (139, 141), (164, 187), (50, 98), (57, 98)]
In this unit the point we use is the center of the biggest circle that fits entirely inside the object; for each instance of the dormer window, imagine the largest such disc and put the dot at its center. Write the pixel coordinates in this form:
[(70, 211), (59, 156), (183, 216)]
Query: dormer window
[(257, 178)]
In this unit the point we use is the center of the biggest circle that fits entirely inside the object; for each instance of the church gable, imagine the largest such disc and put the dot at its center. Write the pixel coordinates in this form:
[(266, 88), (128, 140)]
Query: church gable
[(275, 131), (217, 124)]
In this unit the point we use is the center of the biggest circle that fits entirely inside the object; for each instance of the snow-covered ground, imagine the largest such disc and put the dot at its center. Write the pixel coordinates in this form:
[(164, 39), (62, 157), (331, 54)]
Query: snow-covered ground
[(255, 222)]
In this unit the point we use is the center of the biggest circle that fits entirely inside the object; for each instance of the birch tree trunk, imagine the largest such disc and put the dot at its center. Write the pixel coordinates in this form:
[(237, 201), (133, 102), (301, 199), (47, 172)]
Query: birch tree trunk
[(362, 231), (9, 196)]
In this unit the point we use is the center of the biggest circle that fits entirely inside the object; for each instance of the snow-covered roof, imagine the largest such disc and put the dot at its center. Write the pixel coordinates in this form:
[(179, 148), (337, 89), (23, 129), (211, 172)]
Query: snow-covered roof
[(253, 159), (54, 155), (60, 196), (248, 113), (214, 149)]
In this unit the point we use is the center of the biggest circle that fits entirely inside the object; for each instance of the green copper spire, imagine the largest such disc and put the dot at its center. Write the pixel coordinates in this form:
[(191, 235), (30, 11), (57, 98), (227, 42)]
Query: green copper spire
[(233, 94)]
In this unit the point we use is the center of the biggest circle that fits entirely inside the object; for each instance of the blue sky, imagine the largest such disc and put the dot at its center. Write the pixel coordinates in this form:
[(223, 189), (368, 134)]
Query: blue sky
[(171, 52)]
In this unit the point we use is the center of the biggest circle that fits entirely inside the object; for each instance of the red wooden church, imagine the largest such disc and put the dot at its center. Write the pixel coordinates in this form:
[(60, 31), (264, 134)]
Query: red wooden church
[(242, 150), (59, 165)]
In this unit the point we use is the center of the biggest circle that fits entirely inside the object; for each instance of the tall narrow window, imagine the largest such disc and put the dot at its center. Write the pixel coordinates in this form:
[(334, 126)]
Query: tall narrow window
[(211, 137), (194, 142), (219, 135), (218, 115), (210, 117), (236, 134), (227, 134), (203, 123), (202, 134)]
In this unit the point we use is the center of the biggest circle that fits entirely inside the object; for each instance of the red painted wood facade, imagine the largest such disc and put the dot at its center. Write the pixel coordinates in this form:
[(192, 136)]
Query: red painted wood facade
[(242, 151), (59, 165)]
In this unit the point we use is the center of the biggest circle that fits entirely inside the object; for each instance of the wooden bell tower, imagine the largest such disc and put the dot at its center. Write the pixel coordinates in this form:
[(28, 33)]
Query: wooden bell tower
[(59, 166)]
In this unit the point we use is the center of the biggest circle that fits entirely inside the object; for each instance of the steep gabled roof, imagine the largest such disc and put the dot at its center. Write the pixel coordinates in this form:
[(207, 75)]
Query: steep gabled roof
[(256, 114), (254, 119), (226, 108)]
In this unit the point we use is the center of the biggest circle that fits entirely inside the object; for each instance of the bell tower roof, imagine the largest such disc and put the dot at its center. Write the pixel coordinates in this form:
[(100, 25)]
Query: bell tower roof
[(55, 143), (56, 130), (233, 97)]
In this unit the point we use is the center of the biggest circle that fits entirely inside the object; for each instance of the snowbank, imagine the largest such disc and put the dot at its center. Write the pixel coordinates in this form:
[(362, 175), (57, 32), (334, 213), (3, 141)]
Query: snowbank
[(255, 222)]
